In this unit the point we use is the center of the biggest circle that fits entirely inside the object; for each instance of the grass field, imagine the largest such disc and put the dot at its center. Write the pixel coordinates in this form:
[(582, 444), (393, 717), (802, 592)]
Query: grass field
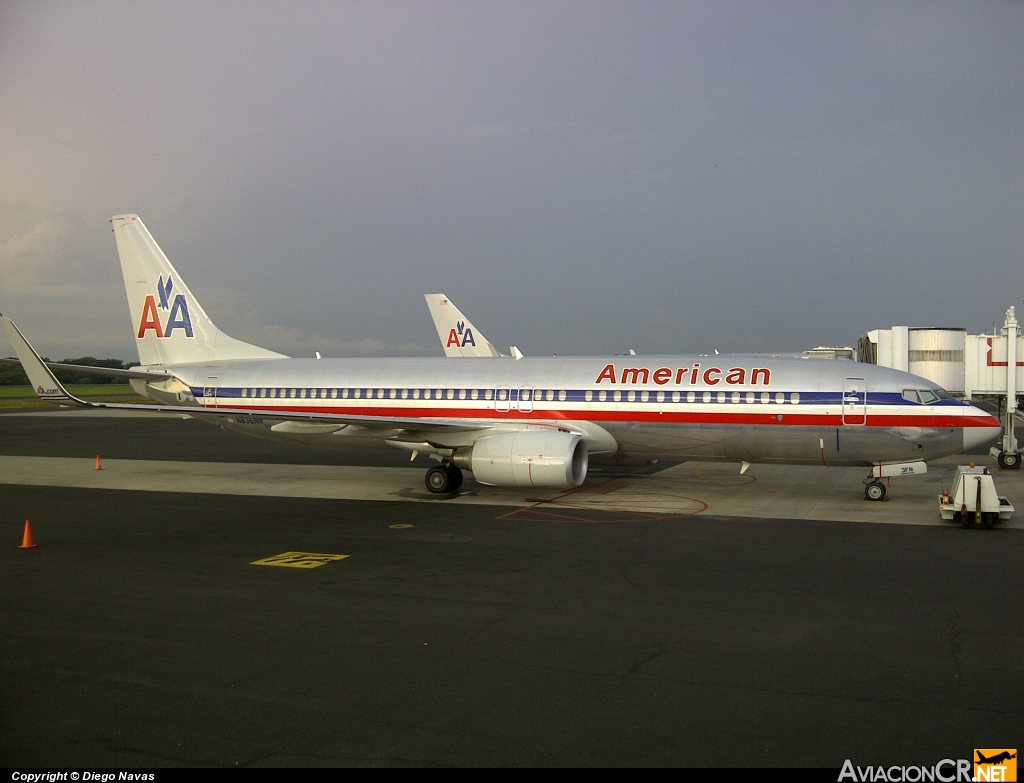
[(24, 397)]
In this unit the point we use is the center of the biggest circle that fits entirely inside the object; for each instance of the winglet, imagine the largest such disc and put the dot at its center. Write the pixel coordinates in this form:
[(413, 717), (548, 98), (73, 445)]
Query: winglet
[(45, 382)]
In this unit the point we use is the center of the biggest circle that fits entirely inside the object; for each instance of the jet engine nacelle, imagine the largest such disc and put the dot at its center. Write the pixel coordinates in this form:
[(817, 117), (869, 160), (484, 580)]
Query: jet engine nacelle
[(531, 458)]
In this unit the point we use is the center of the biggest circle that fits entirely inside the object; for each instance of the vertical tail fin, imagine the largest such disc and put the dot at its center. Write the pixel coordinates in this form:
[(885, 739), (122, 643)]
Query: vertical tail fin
[(458, 336), (170, 325)]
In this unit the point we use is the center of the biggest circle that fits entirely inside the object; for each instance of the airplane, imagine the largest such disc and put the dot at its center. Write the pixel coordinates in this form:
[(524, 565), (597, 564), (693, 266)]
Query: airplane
[(996, 759), (534, 422)]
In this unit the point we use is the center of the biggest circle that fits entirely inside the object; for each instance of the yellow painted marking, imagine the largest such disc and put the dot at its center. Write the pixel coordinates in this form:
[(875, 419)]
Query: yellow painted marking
[(399, 527), (298, 560)]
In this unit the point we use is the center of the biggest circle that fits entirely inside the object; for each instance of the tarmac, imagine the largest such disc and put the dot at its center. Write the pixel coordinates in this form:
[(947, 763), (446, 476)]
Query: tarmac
[(678, 615)]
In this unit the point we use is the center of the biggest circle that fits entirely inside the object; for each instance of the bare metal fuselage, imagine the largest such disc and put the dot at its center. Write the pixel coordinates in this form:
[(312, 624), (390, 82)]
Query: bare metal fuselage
[(629, 409)]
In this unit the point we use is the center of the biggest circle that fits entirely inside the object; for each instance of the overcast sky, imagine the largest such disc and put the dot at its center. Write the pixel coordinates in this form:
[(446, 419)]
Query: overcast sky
[(577, 177)]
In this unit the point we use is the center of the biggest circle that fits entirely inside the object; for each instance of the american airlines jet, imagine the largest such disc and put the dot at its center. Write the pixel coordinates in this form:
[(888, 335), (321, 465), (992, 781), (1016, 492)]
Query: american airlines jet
[(536, 421)]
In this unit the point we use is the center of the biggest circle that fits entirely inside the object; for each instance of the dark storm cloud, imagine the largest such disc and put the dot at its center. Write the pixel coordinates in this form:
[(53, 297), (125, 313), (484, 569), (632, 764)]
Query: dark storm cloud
[(578, 178)]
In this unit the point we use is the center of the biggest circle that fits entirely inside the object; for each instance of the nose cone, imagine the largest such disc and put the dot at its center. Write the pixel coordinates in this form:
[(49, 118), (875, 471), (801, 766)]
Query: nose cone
[(980, 428)]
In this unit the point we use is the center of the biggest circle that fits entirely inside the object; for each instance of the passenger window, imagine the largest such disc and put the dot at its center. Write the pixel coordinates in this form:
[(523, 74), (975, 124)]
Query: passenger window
[(263, 392), (302, 393), (910, 395)]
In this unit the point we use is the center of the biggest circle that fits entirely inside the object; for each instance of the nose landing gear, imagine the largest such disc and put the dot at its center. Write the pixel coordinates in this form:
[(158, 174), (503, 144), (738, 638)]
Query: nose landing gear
[(443, 479), (874, 490)]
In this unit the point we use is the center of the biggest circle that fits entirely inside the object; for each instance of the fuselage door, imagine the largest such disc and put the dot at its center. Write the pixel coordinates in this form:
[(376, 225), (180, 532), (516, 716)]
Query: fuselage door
[(525, 399), (210, 391), (855, 401)]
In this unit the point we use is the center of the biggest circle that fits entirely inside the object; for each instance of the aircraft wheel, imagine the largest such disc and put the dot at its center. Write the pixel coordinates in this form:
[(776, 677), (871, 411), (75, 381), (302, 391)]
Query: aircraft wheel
[(456, 475), (966, 520), (988, 519), (439, 480), (874, 491), (1009, 460)]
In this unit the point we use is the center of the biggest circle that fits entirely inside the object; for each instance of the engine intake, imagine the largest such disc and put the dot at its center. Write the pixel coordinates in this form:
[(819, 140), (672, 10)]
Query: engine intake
[(531, 458)]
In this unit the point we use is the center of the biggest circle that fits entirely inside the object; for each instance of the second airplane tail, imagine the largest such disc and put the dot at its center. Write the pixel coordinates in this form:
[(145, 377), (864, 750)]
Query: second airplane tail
[(458, 336), (170, 325)]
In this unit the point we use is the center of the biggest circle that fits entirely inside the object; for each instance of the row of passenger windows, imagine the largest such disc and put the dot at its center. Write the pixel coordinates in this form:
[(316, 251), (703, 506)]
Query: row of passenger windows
[(539, 395), (380, 394)]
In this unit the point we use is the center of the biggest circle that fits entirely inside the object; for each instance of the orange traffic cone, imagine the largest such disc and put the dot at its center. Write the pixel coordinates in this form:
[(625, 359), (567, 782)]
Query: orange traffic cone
[(26, 540), (98, 466)]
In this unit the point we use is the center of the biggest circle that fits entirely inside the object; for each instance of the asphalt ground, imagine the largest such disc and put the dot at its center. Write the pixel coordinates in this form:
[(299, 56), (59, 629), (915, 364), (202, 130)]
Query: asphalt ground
[(138, 632)]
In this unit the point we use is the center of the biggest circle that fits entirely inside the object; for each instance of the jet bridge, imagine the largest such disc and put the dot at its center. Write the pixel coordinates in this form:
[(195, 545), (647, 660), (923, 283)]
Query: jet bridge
[(966, 365)]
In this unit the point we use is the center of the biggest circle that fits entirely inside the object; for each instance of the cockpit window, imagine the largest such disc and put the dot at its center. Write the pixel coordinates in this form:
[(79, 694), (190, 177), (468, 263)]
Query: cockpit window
[(926, 395)]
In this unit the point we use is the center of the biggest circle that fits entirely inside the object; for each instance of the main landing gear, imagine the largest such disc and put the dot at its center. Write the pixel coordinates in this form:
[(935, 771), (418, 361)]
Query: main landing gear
[(444, 478)]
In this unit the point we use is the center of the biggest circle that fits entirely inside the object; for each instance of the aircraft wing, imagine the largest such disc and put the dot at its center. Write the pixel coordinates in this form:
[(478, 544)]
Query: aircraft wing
[(111, 371), (50, 389), (458, 336)]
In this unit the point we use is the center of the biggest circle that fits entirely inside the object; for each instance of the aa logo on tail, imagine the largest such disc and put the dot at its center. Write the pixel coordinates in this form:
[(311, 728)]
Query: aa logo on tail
[(466, 335), (178, 318)]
